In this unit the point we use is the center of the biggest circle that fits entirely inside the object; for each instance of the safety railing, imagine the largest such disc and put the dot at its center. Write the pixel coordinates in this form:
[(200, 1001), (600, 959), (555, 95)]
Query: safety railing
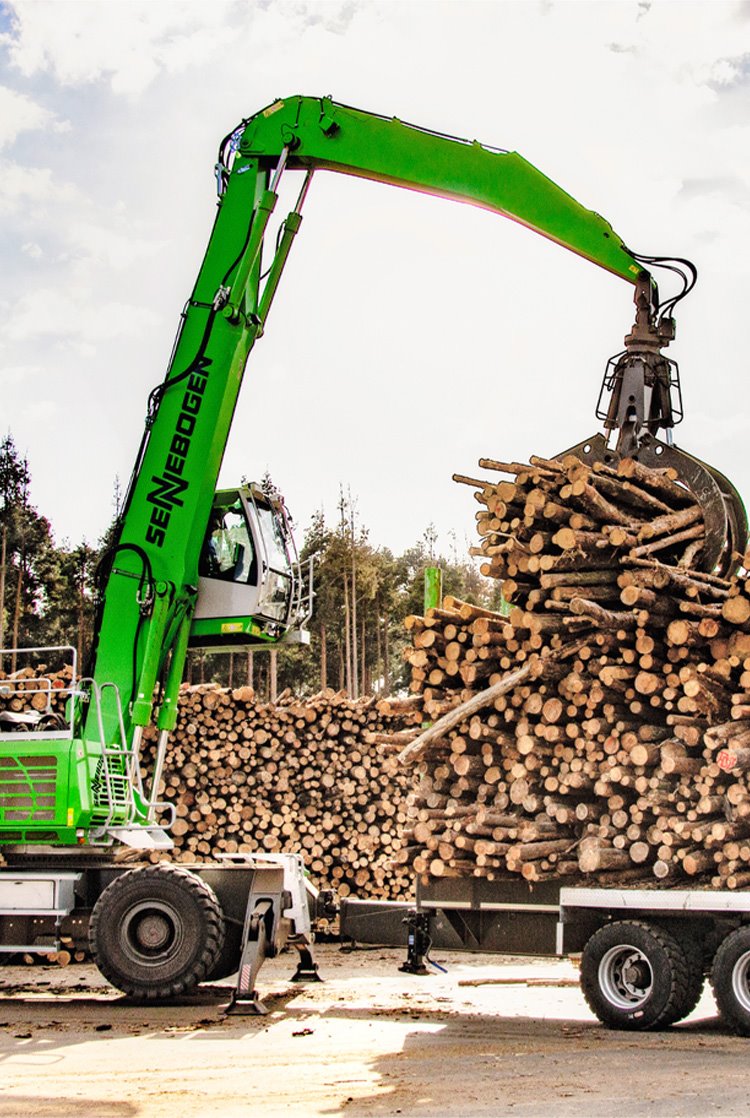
[(36, 702)]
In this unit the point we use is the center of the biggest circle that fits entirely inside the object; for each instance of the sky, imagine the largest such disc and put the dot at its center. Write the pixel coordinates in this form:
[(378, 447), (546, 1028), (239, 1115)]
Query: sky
[(410, 335)]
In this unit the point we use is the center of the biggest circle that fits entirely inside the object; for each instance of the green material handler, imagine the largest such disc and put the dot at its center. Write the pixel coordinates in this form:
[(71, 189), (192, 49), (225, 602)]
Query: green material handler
[(190, 566)]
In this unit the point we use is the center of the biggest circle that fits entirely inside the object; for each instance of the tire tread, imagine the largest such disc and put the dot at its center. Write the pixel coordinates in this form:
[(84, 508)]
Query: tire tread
[(212, 919), (680, 987), (736, 943)]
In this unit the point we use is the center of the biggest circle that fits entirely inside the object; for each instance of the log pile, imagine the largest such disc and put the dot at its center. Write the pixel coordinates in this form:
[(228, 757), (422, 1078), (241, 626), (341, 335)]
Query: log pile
[(317, 777), (618, 749), (40, 689)]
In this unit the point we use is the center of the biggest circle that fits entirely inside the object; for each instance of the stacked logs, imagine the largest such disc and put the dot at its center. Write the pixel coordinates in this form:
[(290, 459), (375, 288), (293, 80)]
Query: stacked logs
[(317, 777), (41, 689), (304, 776), (618, 747)]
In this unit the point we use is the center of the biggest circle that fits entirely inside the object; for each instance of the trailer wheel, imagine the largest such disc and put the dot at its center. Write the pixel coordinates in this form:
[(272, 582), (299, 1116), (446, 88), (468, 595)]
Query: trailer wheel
[(634, 975), (695, 959), (730, 980), (156, 932)]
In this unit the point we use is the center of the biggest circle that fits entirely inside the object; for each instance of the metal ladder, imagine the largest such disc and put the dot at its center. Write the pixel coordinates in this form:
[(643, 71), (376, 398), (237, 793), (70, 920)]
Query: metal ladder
[(119, 776)]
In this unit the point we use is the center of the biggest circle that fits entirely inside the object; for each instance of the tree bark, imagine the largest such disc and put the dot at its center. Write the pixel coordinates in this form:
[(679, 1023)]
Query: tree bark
[(354, 656), (347, 637), (17, 610), (273, 675), (3, 561), (323, 657), (443, 725), (386, 658)]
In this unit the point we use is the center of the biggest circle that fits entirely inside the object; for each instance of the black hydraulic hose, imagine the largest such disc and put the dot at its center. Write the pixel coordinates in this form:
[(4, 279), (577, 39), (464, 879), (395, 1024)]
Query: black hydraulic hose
[(223, 157), (156, 394), (689, 277), (154, 399), (103, 570)]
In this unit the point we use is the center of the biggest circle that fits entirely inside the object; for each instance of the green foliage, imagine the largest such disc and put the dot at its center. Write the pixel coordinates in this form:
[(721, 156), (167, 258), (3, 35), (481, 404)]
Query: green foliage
[(27, 561), (362, 595), (46, 592), (460, 579), (71, 597)]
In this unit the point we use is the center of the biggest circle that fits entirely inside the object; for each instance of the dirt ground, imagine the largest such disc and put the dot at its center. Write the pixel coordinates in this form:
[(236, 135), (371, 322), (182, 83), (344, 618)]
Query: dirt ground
[(366, 1041)]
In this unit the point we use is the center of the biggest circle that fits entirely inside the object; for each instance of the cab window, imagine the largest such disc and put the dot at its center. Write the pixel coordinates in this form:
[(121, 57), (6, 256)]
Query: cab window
[(228, 551)]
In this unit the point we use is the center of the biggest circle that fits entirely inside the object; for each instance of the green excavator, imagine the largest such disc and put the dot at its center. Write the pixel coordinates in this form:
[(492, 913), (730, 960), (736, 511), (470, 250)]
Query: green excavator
[(190, 566)]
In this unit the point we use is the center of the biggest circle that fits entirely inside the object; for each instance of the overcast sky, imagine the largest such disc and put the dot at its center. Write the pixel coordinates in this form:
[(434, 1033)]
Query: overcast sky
[(410, 335)]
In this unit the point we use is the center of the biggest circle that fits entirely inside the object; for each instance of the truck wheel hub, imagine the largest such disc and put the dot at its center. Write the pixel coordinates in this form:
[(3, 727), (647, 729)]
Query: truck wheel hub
[(625, 977), (153, 931)]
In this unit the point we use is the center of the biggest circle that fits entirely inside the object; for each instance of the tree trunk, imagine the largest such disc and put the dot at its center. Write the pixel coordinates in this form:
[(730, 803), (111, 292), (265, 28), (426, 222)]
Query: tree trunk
[(17, 611), (386, 658), (250, 668), (81, 608), (323, 658), (363, 653), (81, 624), (273, 674), (347, 638), (354, 694), (3, 560), (378, 644)]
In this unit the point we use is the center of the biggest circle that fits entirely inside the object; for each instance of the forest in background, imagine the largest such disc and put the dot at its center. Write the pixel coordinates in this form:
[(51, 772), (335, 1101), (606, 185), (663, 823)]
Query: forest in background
[(363, 592)]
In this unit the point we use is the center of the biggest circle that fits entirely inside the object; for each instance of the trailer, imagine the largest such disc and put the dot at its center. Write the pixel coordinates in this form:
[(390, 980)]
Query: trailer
[(644, 953)]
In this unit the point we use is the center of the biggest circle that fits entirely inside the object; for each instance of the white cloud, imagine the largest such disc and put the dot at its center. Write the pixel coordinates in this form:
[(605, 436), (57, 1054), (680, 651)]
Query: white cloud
[(41, 412), (76, 317), (11, 375), (719, 431), (100, 242), (40, 187), (19, 113), (58, 213), (128, 44)]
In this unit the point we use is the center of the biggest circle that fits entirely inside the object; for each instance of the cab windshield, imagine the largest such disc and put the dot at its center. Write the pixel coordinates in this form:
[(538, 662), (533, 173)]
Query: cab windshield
[(273, 537), (228, 551)]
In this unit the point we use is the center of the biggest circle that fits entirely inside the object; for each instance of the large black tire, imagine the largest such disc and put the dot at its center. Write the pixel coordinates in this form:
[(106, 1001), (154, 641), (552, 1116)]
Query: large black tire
[(730, 980), (635, 976), (693, 949), (156, 932)]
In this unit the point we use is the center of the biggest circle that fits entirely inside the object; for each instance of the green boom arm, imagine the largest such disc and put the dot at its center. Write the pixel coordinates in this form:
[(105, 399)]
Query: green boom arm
[(321, 134), (150, 589)]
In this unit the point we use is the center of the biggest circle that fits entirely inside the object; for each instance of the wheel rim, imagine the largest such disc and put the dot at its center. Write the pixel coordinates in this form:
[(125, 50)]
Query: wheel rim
[(625, 977), (151, 932), (741, 981)]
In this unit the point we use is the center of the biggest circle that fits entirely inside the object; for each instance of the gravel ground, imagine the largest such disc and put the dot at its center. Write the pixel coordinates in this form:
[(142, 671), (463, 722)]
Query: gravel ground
[(366, 1041)]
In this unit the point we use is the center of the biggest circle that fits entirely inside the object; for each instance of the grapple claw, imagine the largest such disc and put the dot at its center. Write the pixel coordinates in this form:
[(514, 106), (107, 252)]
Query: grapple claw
[(640, 396), (724, 514)]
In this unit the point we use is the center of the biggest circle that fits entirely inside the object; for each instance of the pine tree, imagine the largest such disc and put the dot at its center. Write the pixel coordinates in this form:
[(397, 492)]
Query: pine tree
[(27, 560)]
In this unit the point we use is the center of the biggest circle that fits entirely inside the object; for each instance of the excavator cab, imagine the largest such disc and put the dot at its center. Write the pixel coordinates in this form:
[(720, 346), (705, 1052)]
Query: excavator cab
[(251, 589)]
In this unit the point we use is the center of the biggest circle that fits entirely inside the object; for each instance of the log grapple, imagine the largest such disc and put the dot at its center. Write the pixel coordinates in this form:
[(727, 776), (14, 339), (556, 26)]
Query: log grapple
[(640, 398)]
